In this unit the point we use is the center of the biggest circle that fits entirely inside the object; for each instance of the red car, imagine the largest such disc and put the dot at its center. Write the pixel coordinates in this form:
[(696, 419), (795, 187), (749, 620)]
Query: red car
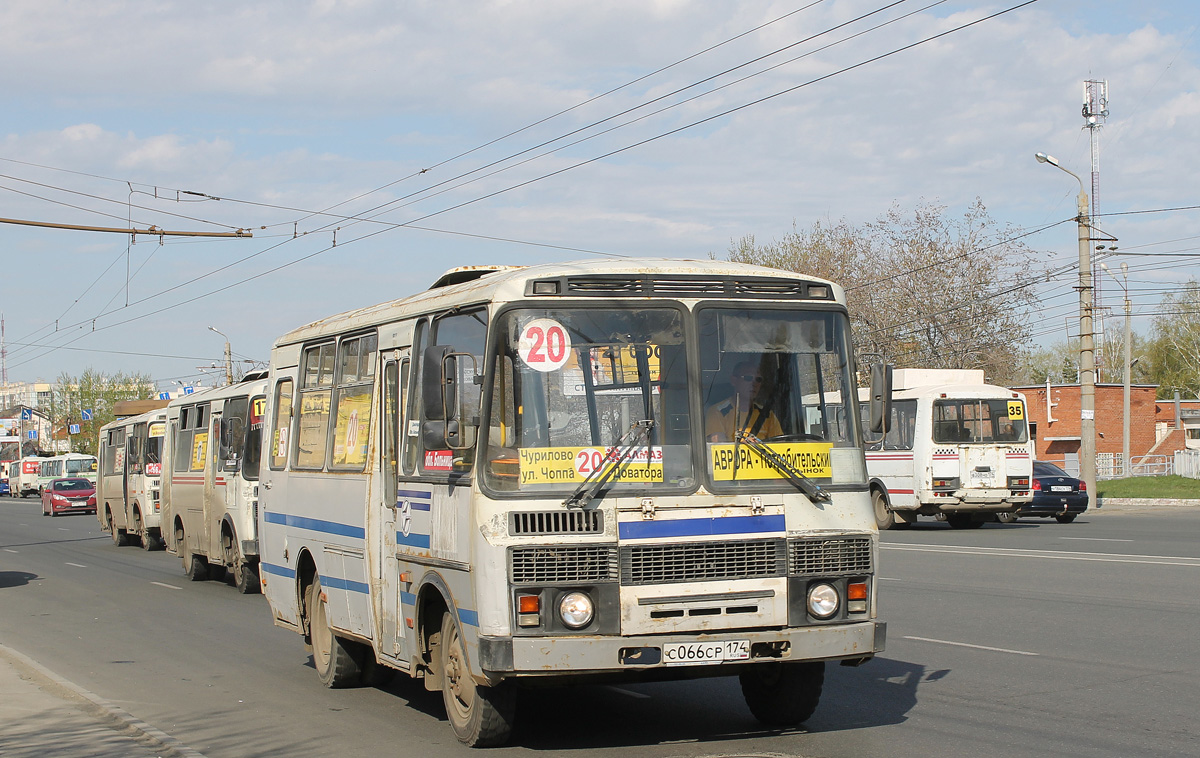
[(71, 495)]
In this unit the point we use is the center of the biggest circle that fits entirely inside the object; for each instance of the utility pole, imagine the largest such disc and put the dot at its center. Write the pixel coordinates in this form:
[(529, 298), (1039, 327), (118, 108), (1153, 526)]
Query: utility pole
[(1126, 468), (228, 357), (1095, 112), (1087, 347)]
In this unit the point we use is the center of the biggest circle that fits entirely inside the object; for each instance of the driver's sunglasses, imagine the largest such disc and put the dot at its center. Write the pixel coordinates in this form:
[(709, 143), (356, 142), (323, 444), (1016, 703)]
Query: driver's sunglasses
[(750, 378)]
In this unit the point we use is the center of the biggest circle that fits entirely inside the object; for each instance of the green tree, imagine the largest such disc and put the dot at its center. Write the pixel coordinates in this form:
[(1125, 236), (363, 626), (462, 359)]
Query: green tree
[(1174, 348), (924, 289), (98, 393)]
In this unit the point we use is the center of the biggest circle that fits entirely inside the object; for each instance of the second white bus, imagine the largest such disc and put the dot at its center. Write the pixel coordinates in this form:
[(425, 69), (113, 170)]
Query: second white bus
[(957, 449)]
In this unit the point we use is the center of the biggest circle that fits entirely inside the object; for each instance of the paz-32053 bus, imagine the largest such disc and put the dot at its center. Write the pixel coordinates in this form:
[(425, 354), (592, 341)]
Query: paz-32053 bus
[(601, 469)]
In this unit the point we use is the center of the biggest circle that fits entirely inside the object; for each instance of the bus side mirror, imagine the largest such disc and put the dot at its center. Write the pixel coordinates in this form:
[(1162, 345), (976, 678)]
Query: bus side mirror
[(881, 398), (439, 435), (435, 383)]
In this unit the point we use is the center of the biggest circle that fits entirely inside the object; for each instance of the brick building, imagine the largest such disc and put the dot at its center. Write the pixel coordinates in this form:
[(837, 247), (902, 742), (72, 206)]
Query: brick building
[(1054, 420)]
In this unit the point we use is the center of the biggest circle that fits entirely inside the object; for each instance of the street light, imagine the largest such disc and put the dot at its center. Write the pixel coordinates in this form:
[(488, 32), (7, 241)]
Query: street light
[(1087, 349), (1124, 282), (228, 356)]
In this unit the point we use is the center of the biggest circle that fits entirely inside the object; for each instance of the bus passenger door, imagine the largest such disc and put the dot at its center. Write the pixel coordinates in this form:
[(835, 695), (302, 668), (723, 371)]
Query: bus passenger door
[(388, 506)]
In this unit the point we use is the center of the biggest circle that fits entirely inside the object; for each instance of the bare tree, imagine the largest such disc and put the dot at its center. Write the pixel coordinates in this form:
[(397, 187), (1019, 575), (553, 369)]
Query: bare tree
[(96, 393), (1174, 349), (924, 289)]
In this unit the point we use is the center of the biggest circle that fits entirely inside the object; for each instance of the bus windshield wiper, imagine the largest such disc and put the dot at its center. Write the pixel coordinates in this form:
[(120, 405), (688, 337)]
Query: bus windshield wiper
[(637, 436), (794, 475)]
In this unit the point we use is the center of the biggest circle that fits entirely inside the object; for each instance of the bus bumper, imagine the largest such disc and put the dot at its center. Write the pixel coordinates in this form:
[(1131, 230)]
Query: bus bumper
[(509, 656)]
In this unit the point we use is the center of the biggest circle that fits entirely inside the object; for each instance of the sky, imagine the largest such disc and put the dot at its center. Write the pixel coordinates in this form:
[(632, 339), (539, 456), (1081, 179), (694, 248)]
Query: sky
[(369, 145)]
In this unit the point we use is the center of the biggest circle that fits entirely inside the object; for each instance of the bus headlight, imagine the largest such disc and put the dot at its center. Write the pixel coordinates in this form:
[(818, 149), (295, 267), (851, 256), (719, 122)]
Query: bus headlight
[(576, 610), (822, 601)]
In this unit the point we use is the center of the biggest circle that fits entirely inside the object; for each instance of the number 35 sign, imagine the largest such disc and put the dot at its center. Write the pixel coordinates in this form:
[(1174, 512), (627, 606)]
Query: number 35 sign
[(544, 345)]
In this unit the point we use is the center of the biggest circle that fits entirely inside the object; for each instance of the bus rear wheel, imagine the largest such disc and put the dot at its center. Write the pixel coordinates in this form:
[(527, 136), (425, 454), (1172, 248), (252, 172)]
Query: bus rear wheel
[(884, 518), (332, 658), (480, 716), (783, 694), (195, 567)]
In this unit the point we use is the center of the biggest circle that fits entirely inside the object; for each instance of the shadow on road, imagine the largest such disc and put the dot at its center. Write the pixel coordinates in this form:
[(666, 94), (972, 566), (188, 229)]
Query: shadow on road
[(16, 578)]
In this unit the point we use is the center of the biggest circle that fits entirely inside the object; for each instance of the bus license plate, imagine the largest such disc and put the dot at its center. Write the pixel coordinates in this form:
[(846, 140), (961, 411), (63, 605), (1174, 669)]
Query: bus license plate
[(686, 653)]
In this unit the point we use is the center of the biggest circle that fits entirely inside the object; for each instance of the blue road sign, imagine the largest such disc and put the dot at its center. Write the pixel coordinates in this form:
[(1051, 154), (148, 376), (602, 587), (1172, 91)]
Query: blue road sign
[(164, 396), (74, 428), (26, 414), (87, 414), (32, 434), (189, 390)]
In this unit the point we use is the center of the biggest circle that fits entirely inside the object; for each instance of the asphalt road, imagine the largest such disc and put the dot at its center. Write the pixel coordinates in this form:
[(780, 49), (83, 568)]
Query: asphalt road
[(1029, 639)]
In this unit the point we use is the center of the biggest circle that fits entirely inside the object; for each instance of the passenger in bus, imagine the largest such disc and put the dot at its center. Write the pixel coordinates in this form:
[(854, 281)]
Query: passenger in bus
[(742, 409)]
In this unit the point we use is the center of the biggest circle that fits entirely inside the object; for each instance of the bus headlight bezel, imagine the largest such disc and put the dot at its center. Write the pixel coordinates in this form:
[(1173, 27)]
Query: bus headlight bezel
[(823, 601), (576, 610)]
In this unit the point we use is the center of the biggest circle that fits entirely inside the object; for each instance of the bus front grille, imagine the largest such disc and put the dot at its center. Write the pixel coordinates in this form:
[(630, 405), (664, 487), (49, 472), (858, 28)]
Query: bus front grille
[(849, 555), (562, 563), (556, 522), (702, 561)]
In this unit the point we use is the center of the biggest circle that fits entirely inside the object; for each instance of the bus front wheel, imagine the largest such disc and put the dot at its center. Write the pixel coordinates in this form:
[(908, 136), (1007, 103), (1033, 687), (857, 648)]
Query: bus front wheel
[(195, 567), (480, 716), (783, 694), (333, 659)]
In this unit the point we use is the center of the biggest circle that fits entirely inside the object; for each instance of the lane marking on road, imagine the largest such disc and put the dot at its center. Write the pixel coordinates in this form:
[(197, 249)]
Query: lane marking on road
[(10, 551), (63, 529), (1095, 539), (76, 565), (967, 644), (1058, 555), (168, 586), (887, 578)]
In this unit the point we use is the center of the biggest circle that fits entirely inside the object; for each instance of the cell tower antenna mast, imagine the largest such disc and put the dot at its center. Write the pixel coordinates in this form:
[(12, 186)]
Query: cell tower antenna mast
[(1095, 113), (3, 354)]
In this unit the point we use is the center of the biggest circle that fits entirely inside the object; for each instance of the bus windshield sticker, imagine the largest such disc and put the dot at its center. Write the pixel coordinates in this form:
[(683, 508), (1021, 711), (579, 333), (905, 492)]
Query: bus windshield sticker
[(1016, 409), (571, 465), (810, 458), (545, 345), (158, 429)]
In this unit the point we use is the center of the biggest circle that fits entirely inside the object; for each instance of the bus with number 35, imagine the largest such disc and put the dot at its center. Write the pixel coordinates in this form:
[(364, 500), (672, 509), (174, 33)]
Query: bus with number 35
[(593, 470)]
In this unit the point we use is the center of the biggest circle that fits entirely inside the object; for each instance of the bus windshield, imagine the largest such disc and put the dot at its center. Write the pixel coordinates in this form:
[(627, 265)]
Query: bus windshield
[(572, 386), (81, 465), (778, 376)]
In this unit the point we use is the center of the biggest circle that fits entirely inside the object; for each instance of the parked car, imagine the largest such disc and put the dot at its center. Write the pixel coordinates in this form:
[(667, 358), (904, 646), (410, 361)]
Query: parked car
[(5, 489), (69, 495), (1055, 493)]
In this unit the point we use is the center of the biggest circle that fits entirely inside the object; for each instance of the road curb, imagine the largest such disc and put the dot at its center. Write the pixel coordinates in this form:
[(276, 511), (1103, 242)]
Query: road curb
[(102, 709), (1130, 502)]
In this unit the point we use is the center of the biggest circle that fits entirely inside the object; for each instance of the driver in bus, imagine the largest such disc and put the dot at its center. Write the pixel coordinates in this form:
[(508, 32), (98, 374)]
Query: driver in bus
[(742, 409)]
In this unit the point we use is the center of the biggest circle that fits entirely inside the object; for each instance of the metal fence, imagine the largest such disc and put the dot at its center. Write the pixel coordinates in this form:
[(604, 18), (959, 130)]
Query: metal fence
[(1187, 463)]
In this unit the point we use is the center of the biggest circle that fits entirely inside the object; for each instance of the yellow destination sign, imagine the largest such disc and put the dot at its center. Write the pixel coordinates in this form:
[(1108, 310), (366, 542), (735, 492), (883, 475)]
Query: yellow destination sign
[(571, 465), (810, 458)]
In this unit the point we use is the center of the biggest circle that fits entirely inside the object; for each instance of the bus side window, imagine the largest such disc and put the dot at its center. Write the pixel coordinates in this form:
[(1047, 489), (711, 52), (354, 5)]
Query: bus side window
[(316, 395), (183, 440), (281, 424), (412, 445), (351, 415), (388, 440)]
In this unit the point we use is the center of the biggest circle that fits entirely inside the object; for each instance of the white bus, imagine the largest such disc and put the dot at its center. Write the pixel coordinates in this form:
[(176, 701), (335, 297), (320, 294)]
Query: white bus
[(513, 476), (210, 483), (24, 481), (957, 448), (68, 464), (128, 493)]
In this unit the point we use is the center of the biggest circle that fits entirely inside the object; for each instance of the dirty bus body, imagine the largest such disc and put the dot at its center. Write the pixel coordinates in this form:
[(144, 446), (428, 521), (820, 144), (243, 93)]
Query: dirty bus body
[(512, 477), (210, 481), (957, 448), (129, 482)]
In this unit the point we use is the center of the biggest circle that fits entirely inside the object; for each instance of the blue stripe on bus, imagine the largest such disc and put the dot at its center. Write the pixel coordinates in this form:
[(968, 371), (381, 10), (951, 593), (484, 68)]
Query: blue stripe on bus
[(315, 525), (697, 527), (283, 571), (408, 598), (415, 493), (332, 582), (412, 540), (468, 617)]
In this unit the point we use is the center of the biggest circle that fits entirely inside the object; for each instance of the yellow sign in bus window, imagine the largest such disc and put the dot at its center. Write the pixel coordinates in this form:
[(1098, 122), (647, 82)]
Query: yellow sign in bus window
[(571, 465), (1016, 409), (809, 458)]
